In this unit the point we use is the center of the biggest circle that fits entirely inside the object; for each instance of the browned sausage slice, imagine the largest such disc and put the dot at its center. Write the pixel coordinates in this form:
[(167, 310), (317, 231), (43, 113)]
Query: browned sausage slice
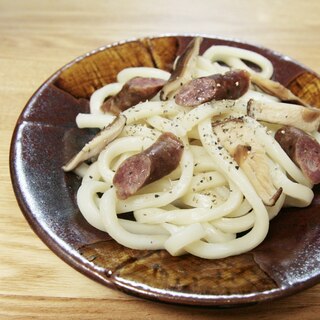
[(302, 149), (231, 85), (138, 89), (157, 161)]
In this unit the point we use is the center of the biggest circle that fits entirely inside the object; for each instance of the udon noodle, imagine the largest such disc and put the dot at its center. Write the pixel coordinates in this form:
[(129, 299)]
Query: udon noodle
[(207, 206)]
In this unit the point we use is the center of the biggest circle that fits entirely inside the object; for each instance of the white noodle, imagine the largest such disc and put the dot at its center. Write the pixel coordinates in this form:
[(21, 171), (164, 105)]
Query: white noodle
[(202, 205), (100, 95), (234, 57), (129, 73)]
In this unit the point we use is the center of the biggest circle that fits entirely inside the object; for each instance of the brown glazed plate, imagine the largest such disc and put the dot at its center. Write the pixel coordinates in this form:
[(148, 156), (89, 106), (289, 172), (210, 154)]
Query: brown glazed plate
[(46, 136)]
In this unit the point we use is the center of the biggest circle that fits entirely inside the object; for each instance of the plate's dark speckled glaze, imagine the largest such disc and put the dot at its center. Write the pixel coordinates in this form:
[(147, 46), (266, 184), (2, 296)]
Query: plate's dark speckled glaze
[(286, 262)]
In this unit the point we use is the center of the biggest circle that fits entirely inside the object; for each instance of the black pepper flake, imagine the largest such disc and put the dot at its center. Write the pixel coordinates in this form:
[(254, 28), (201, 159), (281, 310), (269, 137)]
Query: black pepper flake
[(156, 196), (237, 167)]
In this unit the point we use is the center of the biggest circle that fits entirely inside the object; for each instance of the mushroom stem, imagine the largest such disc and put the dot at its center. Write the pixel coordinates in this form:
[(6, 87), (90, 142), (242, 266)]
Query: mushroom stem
[(99, 141), (256, 168), (276, 89), (306, 119), (239, 140)]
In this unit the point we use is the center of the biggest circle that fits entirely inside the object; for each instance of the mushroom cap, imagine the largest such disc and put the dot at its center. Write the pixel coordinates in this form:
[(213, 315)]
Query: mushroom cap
[(183, 69)]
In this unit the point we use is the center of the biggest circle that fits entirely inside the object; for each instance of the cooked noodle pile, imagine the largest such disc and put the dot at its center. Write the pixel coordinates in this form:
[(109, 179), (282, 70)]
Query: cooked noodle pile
[(204, 204)]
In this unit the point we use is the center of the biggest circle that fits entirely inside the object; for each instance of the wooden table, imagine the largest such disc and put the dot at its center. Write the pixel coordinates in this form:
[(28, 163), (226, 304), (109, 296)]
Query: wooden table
[(36, 38)]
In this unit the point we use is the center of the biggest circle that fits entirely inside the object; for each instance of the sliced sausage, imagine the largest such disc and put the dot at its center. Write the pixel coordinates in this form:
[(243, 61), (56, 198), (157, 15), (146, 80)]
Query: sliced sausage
[(231, 85), (302, 149), (138, 89), (155, 162)]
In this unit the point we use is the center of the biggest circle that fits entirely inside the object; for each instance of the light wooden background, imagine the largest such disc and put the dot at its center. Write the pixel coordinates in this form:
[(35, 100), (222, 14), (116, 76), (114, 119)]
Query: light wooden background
[(36, 38)]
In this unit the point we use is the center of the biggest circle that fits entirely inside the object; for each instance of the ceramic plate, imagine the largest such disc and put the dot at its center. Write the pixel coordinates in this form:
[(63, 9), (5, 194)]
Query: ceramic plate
[(286, 262)]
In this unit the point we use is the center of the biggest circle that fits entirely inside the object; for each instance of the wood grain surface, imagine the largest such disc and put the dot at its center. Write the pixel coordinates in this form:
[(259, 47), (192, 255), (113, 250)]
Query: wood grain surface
[(38, 37)]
